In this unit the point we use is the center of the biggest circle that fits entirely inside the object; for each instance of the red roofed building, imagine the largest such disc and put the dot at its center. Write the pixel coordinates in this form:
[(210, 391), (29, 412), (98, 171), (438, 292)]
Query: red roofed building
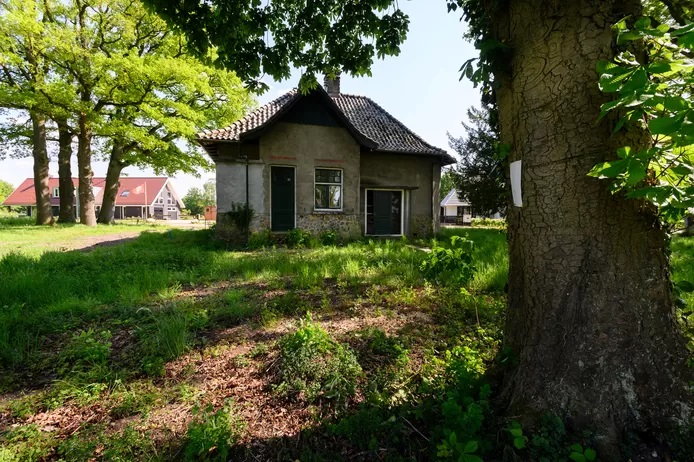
[(153, 197)]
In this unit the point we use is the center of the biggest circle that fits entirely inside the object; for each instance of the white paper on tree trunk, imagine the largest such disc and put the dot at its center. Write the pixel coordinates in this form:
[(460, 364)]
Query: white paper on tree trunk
[(516, 183)]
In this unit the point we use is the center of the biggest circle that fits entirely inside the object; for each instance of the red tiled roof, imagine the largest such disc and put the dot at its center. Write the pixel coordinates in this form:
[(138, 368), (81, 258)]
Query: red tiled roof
[(367, 117), (142, 191)]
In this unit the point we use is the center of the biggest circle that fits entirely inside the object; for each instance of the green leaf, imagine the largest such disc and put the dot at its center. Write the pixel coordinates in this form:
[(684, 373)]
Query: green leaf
[(665, 125), (643, 23), (609, 169), (577, 457), (590, 454), (624, 152), (675, 103), (576, 448), (515, 432), (452, 439), (470, 447), (659, 67), (628, 36), (519, 443), (684, 286)]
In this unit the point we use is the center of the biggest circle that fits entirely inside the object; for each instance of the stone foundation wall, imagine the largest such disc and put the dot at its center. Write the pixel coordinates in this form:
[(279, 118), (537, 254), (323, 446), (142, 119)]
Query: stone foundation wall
[(347, 226)]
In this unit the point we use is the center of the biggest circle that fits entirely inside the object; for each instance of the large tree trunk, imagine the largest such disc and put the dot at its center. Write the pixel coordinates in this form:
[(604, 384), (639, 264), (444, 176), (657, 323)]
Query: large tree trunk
[(115, 167), (590, 316), (84, 167), (44, 212), (67, 188)]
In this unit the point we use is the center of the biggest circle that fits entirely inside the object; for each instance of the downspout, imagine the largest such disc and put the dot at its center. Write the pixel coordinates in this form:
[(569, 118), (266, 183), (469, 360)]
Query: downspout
[(248, 211)]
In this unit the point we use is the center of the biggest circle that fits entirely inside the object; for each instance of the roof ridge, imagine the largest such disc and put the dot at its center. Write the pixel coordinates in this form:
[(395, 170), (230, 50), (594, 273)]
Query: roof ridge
[(402, 125)]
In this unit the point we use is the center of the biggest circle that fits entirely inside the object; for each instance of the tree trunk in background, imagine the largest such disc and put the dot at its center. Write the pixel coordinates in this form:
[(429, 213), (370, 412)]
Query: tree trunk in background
[(115, 167), (590, 319), (67, 188), (84, 167), (44, 212)]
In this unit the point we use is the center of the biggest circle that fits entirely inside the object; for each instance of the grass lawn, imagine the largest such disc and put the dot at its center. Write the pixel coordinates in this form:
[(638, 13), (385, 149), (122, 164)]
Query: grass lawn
[(169, 347), (21, 235)]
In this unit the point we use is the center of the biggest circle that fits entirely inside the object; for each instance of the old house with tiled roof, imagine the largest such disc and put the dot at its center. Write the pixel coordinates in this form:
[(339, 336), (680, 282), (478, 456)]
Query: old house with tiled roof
[(327, 161)]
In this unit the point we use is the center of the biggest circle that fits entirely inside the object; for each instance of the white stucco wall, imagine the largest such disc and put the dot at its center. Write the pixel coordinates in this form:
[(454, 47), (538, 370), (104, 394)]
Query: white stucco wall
[(231, 186)]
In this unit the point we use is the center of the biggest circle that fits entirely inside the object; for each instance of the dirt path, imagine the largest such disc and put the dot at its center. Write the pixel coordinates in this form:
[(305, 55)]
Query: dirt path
[(92, 242)]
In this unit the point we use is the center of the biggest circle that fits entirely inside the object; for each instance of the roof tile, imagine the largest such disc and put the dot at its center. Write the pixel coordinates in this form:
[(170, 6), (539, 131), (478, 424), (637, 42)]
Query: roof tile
[(370, 119)]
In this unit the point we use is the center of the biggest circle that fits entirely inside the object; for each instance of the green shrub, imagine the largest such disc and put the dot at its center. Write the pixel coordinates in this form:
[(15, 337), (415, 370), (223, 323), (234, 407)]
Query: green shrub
[(261, 239), (315, 367), (298, 239), (211, 435), (329, 237), (452, 265), (496, 223)]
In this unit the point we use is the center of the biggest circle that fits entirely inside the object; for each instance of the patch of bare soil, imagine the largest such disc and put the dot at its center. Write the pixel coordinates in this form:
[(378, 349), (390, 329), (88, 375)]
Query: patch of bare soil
[(86, 244)]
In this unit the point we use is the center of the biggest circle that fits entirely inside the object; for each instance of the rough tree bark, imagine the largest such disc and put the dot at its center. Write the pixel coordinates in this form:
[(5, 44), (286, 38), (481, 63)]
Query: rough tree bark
[(590, 317), (44, 212), (84, 167), (115, 167), (67, 188)]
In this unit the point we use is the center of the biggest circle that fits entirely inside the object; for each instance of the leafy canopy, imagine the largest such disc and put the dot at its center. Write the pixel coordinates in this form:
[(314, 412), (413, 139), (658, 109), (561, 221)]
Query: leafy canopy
[(254, 38), (5, 190), (123, 67)]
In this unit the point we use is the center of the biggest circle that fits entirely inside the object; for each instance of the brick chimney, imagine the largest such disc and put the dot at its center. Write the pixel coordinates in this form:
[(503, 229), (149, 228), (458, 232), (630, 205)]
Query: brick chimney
[(332, 86)]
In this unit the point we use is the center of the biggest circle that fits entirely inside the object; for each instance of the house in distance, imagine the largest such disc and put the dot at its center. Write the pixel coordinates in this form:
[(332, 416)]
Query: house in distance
[(327, 161), (153, 197)]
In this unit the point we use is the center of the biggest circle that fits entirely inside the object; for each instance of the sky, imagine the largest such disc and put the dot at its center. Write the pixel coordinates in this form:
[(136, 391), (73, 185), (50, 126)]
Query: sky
[(420, 87)]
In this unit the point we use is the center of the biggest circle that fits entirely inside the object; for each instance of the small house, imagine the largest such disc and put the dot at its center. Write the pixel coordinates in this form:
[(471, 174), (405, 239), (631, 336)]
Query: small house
[(326, 160)]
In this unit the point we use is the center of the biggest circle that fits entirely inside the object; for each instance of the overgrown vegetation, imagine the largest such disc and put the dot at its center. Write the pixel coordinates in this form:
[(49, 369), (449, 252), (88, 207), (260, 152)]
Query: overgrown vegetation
[(314, 367), (135, 352)]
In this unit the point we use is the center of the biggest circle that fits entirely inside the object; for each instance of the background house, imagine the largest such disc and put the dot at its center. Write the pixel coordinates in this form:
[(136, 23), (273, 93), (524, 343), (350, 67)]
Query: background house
[(153, 197), (455, 210), (327, 160)]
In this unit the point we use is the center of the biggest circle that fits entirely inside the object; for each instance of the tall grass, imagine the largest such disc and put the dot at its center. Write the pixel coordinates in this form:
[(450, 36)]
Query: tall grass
[(59, 291)]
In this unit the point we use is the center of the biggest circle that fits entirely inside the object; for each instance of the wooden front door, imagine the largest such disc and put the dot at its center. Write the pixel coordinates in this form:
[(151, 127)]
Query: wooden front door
[(383, 213), (282, 198)]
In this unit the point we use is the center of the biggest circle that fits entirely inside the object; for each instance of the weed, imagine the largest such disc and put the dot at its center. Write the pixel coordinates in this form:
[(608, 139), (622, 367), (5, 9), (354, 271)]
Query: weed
[(211, 435), (298, 238), (450, 266), (133, 398), (315, 367), (329, 237), (26, 444), (260, 350), (232, 309), (261, 239)]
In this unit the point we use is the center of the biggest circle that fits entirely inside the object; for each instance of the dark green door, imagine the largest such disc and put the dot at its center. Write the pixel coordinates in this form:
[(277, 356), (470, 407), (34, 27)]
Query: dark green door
[(282, 198), (382, 213)]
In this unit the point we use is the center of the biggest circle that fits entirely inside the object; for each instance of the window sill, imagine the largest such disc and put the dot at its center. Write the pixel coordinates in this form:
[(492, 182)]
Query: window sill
[(327, 212)]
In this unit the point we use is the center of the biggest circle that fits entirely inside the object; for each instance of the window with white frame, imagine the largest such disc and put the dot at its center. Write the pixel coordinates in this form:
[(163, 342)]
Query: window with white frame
[(328, 187), (56, 192)]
